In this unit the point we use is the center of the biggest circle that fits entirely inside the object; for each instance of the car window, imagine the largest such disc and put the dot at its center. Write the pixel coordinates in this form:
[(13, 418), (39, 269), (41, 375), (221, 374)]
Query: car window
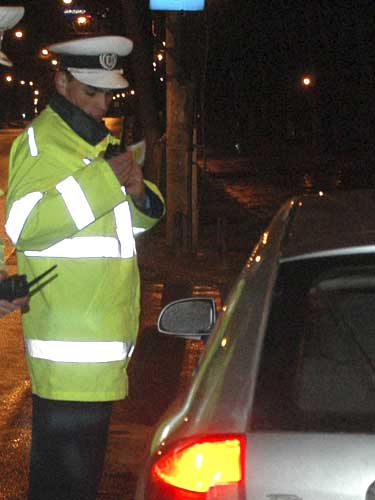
[(317, 369)]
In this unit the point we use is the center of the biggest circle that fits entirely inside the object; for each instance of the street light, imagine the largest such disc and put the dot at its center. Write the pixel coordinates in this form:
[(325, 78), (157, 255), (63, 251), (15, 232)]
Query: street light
[(308, 84), (83, 24), (307, 80), (82, 20)]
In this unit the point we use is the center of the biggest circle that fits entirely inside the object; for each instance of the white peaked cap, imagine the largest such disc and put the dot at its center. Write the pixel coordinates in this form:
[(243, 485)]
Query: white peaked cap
[(9, 17), (95, 61)]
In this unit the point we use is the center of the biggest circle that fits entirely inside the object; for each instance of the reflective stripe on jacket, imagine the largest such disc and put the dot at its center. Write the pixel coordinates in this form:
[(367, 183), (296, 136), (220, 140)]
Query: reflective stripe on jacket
[(66, 207)]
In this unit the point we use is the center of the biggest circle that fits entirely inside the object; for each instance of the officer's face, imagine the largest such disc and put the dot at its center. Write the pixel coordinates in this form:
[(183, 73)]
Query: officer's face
[(93, 101)]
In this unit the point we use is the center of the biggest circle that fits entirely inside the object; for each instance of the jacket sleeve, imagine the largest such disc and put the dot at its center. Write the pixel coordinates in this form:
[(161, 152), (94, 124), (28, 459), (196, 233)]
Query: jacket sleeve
[(44, 208), (144, 219)]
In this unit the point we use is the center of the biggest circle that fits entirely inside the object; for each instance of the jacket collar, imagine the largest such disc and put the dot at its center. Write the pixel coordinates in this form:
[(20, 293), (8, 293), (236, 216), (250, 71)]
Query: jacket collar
[(85, 126)]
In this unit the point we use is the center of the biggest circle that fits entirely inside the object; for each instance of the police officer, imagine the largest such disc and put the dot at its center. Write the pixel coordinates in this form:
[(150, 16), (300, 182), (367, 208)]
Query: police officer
[(69, 205), (9, 17)]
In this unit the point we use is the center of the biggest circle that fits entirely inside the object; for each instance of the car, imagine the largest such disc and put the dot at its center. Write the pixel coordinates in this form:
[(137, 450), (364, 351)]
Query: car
[(282, 402)]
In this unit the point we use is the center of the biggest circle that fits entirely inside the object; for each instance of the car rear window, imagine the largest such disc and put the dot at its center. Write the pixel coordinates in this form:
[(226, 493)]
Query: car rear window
[(317, 369)]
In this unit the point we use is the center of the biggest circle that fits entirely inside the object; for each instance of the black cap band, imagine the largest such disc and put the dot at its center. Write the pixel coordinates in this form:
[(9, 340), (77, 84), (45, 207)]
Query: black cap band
[(108, 62)]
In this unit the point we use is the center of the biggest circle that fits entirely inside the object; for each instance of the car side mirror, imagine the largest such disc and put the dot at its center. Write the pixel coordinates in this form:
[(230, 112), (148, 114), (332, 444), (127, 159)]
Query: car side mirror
[(191, 318)]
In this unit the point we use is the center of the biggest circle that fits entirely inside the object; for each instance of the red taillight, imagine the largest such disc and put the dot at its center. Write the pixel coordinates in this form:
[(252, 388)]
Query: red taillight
[(194, 468)]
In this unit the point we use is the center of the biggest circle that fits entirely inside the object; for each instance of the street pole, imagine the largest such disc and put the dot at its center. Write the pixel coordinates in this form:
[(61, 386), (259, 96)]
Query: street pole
[(179, 141), (144, 82)]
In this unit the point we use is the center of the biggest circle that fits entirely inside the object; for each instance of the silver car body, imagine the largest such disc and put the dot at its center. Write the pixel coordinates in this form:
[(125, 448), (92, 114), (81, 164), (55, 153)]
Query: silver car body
[(280, 465)]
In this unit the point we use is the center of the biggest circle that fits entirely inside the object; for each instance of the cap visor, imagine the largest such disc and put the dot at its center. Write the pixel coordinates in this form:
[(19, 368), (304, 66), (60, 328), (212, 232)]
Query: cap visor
[(4, 60), (9, 16), (92, 46), (100, 78)]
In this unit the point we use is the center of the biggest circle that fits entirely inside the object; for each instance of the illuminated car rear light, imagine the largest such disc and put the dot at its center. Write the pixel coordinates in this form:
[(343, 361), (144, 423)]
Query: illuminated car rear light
[(195, 468)]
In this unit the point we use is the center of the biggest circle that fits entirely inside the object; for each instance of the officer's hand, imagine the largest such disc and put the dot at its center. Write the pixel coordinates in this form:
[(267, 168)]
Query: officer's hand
[(7, 306), (128, 173)]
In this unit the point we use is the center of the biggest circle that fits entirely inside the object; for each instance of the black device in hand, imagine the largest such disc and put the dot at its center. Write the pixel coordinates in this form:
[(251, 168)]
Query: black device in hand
[(17, 286), (111, 151), (131, 132), (115, 149)]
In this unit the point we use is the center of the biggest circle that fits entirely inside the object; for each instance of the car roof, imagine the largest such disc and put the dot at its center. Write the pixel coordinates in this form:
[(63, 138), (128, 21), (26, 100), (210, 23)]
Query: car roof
[(330, 224)]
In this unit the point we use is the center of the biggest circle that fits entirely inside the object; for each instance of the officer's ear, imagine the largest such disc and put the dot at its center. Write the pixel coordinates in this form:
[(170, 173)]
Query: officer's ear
[(61, 82)]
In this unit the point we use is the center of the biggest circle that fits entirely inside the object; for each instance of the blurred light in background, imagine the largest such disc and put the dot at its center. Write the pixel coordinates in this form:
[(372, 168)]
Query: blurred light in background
[(176, 4)]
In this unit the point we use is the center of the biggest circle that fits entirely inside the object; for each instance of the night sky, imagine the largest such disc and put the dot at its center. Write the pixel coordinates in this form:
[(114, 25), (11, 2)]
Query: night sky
[(266, 48), (250, 56)]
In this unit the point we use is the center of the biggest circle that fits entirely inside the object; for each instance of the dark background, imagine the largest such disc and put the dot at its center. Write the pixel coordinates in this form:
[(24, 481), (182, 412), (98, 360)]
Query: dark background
[(248, 58)]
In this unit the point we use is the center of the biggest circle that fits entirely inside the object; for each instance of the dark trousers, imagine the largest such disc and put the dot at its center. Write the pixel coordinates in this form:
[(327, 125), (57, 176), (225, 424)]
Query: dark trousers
[(69, 441)]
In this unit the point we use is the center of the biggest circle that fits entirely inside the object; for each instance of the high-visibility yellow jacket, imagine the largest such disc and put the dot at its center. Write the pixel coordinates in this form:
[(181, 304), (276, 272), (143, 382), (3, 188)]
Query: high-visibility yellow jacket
[(66, 207)]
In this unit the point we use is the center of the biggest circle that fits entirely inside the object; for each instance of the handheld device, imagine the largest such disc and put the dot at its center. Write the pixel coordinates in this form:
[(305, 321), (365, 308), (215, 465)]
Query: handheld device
[(16, 286), (115, 149)]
